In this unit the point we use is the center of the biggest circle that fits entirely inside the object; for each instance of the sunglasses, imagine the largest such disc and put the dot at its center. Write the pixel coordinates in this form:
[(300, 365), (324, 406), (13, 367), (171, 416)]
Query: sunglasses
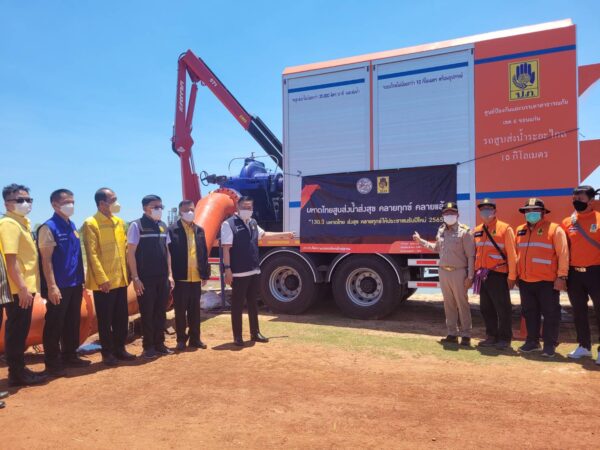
[(21, 200)]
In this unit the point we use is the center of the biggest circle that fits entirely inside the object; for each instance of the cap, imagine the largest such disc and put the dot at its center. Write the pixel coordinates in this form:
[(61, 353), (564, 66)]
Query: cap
[(486, 202), (533, 203), (450, 206)]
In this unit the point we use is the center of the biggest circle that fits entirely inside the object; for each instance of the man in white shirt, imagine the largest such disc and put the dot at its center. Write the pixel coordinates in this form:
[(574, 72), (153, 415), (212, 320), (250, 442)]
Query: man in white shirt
[(239, 238)]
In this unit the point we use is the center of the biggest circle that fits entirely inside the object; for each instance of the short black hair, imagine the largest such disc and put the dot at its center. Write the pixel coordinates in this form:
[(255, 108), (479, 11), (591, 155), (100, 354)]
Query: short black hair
[(100, 195), (185, 202), (245, 198), (587, 190), (150, 198), (12, 188), (57, 194)]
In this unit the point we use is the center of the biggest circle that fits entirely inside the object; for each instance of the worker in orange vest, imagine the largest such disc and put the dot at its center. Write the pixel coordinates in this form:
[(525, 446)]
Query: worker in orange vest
[(495, 274), (542, 268), (583, 232)]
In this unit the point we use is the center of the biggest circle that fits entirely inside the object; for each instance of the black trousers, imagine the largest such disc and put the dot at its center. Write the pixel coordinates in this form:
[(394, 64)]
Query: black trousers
[(582, 287), (540, 299), (495, 306), (61, 327), (153, 311), (186, 298), (113, 318), (244, 289), (16, 329)]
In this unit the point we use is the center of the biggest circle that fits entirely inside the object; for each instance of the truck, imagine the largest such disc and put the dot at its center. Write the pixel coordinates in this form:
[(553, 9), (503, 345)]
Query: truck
[(374, 146)]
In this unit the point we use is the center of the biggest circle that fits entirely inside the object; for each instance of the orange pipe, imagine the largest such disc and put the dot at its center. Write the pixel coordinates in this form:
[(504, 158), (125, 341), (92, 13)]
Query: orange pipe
[(210, 213)]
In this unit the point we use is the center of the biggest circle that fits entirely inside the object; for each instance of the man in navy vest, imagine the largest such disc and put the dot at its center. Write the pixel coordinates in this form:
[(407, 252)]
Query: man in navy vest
[(239, 238), (191, 271), (149, 262), (61, 285)]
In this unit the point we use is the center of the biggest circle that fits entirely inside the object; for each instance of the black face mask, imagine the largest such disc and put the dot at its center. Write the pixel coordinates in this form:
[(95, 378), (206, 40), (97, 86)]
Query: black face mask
[(579, 205)]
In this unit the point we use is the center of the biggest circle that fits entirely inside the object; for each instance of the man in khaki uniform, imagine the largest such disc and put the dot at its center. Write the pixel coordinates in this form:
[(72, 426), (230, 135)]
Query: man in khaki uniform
[(456, 247)]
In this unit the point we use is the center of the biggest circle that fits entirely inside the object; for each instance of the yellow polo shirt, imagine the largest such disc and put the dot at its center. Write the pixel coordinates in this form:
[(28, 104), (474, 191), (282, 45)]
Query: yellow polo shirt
[(105, 243), (193, 274), (16, 238)]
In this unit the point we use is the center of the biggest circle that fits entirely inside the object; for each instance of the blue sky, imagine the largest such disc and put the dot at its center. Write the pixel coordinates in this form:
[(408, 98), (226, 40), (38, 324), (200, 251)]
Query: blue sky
[(87, 88)]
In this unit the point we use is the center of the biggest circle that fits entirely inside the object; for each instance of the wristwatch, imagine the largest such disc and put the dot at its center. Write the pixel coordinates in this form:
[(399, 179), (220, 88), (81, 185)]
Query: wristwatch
[(226, 267), (136, 278), (564, 278)]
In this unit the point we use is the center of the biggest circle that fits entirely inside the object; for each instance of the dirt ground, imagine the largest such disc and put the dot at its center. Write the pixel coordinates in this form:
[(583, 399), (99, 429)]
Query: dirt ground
[(323, 381)]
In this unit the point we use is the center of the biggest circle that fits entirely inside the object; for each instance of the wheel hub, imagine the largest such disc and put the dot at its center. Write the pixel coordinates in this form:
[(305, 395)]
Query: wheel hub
[(285, 284)]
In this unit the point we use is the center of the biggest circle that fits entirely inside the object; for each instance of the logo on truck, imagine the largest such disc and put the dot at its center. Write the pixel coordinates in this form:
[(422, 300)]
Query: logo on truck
[(524, 80)]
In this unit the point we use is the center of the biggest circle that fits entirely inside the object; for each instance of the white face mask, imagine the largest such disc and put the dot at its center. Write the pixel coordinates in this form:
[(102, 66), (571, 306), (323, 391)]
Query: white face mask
[(187, 216), (115, 208), (22, 209), (450, 219), (156, 213), (245, 214), (68, 209)]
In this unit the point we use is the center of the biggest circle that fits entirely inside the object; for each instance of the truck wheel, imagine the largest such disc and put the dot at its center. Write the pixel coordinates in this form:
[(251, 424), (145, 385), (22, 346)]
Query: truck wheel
[(365, 287), (407, 293), (287, 284)]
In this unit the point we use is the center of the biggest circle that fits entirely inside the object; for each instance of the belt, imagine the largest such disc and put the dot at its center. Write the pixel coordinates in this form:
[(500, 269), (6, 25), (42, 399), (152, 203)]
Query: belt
[(583, 269), (451, 268)]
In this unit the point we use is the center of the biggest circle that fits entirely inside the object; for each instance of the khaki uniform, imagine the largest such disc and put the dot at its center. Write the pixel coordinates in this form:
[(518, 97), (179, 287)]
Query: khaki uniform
[(456, 248)]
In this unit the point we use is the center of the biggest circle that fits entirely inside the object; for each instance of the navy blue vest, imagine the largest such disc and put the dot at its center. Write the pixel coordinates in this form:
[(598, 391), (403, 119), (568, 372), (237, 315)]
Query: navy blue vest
[(244, 250), (67, 262), (151, 253)]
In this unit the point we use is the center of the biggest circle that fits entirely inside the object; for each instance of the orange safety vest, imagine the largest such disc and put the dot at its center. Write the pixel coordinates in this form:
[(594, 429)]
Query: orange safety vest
[(537, 259), (486, 255)]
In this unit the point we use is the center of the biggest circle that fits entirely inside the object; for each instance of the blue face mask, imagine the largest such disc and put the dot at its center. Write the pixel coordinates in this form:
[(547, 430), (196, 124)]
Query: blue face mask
[(487, 214), (533, 217)]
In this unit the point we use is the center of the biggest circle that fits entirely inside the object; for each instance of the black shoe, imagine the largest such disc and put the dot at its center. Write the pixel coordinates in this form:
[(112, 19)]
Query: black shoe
[(150, 354), (503, 345), (55, 371), (490, 341), (164, 350), (76, 361), (110, 360), (449, 340), (465, 341), (549, 351), (2, 404), (3, 394), (239, 342), (198, 344), (124, 355), (180, 346), (257, 337), (26, 378), (530, 347)]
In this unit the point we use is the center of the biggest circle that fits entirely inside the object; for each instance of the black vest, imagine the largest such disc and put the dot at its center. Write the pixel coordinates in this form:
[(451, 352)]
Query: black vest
[(179, 251), (244, 250), (151, 252)]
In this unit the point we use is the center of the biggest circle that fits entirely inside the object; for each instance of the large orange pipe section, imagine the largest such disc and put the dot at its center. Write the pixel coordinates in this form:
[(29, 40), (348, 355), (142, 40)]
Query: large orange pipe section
[(210, 213)]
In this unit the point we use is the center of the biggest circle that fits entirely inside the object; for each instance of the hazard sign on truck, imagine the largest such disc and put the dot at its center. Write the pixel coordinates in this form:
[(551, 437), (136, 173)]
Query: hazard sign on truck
[(374, 145)]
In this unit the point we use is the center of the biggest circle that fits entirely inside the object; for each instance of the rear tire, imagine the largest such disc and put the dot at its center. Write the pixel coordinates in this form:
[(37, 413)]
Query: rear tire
[(365, 287), (287, 284)]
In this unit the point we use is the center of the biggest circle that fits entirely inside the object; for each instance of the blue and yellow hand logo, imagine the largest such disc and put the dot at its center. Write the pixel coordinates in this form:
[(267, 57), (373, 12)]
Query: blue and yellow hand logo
[(524, 80)]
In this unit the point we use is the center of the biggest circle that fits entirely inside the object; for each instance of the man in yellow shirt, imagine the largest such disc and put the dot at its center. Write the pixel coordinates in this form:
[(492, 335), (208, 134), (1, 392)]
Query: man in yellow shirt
[(23, 277), (189, 263), (105, 244)]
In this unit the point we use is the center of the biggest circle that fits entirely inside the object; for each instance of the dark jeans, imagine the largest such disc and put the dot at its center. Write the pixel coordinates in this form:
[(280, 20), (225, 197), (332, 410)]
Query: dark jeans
[(61, 327), (153, 311), (16, 329), (113, 318), (582, 287), (540, 299), (495, 306), (244, 289), (186, 299)]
